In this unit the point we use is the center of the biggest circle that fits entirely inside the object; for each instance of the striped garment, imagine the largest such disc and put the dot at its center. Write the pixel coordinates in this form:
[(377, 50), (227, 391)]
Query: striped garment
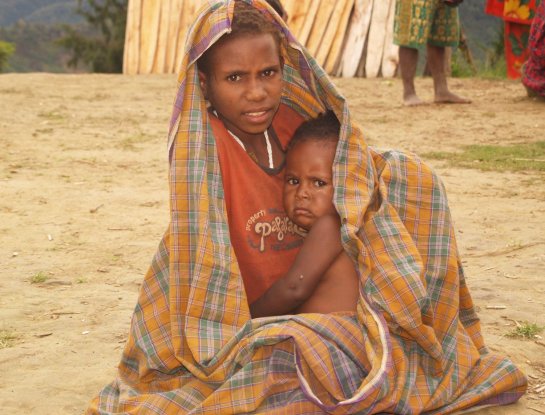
[(413, 346)]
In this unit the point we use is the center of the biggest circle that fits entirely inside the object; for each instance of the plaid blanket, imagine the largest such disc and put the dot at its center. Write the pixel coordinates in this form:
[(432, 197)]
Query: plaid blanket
[(414, 344)]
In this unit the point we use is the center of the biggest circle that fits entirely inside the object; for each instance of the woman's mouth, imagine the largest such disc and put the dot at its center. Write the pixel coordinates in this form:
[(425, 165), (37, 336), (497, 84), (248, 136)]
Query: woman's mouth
[(257, 117)]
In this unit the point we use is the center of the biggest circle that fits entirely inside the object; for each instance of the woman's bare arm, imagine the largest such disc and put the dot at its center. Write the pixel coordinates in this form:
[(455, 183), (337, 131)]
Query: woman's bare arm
[(322, 245)]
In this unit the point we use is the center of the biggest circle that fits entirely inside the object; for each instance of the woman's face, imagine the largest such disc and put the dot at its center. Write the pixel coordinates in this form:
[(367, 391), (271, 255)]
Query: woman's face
[(244, 83), (308, 182)]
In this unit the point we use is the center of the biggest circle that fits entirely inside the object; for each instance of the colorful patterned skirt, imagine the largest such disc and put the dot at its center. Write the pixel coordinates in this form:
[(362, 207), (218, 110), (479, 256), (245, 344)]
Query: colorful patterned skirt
[(421, 22)]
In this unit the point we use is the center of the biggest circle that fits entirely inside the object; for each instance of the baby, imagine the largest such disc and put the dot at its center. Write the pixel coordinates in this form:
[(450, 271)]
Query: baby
[(323, 278)]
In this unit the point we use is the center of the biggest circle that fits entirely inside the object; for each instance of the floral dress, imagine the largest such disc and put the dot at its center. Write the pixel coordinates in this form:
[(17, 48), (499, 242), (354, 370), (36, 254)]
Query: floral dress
[(518, 16)]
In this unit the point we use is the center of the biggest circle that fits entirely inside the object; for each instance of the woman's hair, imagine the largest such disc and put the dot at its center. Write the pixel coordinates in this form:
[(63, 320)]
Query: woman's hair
[(324, 128), (278, 8), (247, 20)]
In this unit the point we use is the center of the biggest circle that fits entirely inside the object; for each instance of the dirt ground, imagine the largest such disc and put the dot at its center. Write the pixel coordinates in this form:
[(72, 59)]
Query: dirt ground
[(84, 202)]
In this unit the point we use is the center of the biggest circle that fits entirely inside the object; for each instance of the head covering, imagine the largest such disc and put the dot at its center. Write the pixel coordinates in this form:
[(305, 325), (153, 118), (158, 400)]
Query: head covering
[(414, 344)]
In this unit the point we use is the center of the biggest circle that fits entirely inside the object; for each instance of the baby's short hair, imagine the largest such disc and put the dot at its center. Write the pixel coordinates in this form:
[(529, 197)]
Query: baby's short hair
[(247, 20), (324, 128)]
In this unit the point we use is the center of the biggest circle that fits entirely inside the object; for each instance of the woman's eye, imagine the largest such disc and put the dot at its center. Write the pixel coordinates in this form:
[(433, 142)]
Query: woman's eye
[(292, 181), (269, 72)]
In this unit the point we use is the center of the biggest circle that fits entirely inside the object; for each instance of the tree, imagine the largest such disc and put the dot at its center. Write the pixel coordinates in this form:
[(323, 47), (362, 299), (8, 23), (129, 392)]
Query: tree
[(6, 50), (101, 48)]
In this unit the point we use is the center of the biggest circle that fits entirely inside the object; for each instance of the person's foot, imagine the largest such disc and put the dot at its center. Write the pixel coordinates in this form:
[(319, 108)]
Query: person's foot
[(450, 98), (412, 100)]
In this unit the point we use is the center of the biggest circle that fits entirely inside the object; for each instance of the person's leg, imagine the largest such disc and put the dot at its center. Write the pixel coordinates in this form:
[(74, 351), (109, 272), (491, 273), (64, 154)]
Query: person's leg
[(408, 60), (436, 62)]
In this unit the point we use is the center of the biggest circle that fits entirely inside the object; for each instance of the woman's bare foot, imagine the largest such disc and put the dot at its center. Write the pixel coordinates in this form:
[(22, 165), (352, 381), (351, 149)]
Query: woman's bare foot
[(412, 100), (450, 98)]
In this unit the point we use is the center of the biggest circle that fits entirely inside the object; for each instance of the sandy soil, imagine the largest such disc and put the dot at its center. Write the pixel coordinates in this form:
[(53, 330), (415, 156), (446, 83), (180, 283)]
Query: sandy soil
[(83, 185)]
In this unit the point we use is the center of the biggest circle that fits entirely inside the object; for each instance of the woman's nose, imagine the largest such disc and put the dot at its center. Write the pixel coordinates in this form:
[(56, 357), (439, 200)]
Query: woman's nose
[(256, 90)]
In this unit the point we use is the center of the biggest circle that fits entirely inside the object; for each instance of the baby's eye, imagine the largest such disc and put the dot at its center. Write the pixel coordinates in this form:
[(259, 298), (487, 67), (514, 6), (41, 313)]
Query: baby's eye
[(292, 181), (319, 183), (268, 72), (234, 77)]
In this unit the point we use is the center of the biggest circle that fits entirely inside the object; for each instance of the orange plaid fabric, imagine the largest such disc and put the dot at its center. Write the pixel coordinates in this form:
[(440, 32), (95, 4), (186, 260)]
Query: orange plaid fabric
[(414, 344)]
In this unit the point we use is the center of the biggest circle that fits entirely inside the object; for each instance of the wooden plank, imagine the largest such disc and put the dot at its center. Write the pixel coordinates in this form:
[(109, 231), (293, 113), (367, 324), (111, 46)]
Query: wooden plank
[(131, 52), (297, 11), (333, 57), (356, 37), (390, 57), (309, 21), (149, 34), (289, 7), (172, 39), (159, 61), (377, 34), (329, 32), (320, 26)]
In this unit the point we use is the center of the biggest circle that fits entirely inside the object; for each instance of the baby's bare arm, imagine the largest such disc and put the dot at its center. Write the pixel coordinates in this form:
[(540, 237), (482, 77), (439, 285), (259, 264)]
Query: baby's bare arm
[(322, 245)]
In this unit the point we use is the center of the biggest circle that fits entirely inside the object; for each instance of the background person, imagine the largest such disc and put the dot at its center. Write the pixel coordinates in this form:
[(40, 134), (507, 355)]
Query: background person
[(533, 74), (435, 25)]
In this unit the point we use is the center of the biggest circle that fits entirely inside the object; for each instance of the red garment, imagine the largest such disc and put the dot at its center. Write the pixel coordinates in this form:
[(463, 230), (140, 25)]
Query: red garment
[(534, 69), (264, 239), (518, 16)]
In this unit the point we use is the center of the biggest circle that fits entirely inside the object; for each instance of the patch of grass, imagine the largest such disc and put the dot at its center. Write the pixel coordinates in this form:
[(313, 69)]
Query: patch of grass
[(132, 142), (518, 157), (7, 338), (52, 115), (38, 278), (526, 331), (81, 280)]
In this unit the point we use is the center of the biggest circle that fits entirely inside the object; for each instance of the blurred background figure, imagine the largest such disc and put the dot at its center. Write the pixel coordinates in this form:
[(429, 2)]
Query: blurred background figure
[(433, 24), (533, 72), (517, 16)]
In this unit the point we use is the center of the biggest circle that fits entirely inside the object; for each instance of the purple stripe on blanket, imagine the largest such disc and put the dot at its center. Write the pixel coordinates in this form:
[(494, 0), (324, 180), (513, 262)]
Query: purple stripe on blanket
[(376, 383)]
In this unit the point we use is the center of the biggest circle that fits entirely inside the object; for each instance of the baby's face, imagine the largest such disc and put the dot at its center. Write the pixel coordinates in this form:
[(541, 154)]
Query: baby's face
[(308, 187)]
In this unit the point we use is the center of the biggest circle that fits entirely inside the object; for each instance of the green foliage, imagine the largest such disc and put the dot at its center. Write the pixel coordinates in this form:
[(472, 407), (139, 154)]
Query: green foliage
[(102, 50), (519, 157), (38, 278), (35, 47), (53, 14), (491, 66), (6, 50), (480, 28), (526, 331), (7, 338)]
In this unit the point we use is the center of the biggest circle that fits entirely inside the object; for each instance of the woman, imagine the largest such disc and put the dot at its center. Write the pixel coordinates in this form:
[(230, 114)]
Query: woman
[(533, 74), (414, 343)]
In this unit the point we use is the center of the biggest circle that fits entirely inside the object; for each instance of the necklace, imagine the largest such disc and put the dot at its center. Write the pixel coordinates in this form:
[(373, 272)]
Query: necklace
[(251, 154)]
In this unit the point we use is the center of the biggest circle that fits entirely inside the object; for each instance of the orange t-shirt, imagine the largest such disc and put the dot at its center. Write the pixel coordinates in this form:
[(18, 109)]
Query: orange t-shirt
[(264, 239)]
